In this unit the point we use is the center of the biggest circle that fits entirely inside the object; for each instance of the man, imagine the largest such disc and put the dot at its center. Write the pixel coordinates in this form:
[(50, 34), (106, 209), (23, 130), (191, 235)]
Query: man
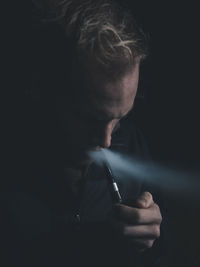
[(63, 213)]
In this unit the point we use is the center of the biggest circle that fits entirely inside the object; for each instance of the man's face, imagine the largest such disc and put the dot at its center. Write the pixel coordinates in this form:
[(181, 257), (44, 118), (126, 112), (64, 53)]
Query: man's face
[(89, 122)]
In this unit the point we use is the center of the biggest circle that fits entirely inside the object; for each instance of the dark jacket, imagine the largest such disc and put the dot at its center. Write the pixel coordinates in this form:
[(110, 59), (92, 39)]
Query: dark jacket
[(42, 224)]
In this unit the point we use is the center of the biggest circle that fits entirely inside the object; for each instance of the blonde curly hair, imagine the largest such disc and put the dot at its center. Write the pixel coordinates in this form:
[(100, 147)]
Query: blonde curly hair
[(98, 29)]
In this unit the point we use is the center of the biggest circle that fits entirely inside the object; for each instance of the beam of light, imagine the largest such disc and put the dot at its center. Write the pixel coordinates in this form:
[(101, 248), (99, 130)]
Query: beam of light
[(167, 179)]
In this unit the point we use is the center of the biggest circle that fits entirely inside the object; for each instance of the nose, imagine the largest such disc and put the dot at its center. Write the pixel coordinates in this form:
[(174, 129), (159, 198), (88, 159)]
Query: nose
[(103, 135), (105, 139)]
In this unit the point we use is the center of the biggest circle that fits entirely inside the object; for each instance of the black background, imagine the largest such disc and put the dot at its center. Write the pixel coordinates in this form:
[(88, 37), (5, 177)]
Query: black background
[(169, 112)]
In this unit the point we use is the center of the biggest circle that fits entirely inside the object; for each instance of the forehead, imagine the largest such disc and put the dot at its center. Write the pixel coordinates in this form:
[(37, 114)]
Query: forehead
[(112, 98)]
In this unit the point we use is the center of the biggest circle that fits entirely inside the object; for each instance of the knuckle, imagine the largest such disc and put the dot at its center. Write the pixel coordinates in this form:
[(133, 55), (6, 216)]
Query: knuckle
[(156, 207), (160, 219), (149, 243), (158, 213), (157, 231)]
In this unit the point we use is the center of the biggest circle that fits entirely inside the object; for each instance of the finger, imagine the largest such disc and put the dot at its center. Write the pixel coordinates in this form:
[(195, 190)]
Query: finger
[(140, 231), (142, 243), (136, 233), (132, 215), (145, 200)]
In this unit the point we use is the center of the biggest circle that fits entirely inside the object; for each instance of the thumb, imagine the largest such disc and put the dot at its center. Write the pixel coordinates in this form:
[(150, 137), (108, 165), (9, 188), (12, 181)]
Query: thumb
[(145, 200)]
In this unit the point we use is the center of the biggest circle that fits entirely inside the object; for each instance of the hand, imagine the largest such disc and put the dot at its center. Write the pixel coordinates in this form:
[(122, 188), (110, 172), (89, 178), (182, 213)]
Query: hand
[(139, 224)]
